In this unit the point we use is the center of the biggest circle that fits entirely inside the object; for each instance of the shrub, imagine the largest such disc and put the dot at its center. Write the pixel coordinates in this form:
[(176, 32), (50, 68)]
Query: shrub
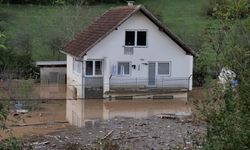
[(229, 9), (11, 143), (20, 64), (3, 114)]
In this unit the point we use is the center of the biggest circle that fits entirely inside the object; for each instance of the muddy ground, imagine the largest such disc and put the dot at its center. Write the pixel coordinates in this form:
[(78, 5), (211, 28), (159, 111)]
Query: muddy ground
[(146, 133)]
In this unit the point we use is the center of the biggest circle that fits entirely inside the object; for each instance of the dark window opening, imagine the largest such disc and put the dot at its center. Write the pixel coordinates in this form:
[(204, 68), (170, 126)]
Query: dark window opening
[(130, 38), (89, 67), (141, 38), (98, 68)]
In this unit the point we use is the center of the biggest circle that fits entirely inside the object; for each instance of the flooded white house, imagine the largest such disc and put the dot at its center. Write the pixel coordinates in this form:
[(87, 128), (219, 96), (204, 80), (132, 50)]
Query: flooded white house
[(127, 48)]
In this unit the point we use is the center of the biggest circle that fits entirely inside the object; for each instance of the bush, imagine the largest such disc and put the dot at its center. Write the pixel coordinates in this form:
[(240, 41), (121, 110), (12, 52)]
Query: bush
[(230, 9), (11, 143), (19, 64), (3, 114), (208, 7)]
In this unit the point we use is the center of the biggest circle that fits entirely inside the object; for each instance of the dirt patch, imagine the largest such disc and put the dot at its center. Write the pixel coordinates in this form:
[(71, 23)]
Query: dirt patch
[(145, 133)]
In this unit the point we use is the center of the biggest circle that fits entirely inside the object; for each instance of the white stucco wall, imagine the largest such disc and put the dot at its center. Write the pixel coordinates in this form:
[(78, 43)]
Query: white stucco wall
[(159, 48), (74, 79)]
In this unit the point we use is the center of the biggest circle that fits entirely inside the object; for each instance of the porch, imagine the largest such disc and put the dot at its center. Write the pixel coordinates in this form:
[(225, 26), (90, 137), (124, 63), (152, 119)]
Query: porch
[(137, 88), (157, 84), (102, 78)]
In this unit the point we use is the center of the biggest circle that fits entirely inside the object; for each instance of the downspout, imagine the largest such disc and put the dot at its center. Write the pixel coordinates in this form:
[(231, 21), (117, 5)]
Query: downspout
[(189, 81), (189, 85), (83, 77)]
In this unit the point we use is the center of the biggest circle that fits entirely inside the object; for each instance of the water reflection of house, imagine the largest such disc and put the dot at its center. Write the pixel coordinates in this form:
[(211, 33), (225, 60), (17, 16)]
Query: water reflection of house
[(78, 112), (127, 47), (52, 79)]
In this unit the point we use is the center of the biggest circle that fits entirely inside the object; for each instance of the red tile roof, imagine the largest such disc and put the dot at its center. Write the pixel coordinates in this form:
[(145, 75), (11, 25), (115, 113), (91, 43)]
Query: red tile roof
[(108, 22)]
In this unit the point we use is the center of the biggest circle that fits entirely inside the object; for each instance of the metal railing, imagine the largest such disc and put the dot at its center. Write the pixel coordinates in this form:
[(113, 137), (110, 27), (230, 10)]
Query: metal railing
[(145, 83)]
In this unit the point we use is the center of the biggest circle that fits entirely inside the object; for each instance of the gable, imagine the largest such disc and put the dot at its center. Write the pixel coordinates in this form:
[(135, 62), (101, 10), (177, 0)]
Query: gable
[(107, 23), (158, 43)]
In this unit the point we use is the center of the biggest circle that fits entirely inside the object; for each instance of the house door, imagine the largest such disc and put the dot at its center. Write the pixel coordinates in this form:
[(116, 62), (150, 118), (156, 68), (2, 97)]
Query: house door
[(151, 74)]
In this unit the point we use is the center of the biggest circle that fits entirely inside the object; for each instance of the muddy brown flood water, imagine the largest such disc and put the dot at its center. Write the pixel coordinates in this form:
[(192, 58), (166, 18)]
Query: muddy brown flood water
[(53, 115), (78, 112)]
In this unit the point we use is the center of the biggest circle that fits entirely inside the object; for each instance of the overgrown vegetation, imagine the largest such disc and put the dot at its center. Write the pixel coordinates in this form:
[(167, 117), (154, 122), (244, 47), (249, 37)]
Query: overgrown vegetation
[(14, 64), (226, 109), (220, 41), (230, 9), (10, 143)]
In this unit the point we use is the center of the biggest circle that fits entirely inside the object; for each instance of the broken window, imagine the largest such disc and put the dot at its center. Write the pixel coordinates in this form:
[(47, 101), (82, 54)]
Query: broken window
[(123, 68), (141, 38), (130, 38), (164, 68)]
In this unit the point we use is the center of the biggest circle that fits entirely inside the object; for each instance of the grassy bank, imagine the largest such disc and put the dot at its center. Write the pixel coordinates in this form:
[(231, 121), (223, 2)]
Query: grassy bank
[(46, 23)]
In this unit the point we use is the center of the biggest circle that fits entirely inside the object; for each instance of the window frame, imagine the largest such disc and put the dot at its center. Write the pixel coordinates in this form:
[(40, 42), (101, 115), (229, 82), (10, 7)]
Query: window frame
[(86, 68), (135, 45), (170, 69), (74, 63), (93, 68), (129, 65), (135, 32)]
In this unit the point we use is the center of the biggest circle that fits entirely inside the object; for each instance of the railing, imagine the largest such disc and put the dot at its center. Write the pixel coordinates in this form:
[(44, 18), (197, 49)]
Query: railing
[(145, 83)]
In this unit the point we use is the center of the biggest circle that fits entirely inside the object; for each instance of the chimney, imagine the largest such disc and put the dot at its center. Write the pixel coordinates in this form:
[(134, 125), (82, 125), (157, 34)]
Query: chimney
[(130, 3)]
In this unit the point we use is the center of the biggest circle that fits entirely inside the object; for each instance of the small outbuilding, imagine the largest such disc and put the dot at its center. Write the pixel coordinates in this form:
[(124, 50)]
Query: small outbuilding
[(52, 72)]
